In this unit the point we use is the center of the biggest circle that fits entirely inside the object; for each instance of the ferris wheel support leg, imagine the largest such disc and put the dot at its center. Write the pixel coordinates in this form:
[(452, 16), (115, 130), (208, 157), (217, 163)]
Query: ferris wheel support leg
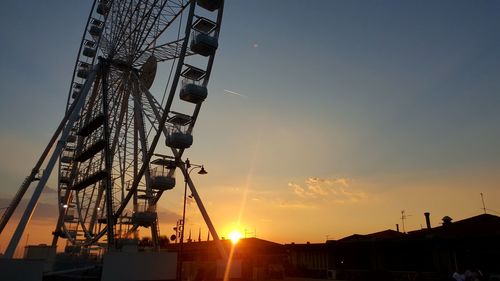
[(204, 213), (30, 208), (19, 195)]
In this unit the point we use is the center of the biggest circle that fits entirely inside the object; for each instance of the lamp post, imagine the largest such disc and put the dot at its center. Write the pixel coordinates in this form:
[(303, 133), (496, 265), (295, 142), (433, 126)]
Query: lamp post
[(190, 167)]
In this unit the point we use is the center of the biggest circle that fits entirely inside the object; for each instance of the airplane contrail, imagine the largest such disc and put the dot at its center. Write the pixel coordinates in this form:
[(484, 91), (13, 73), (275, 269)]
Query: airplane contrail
[(234, 93)]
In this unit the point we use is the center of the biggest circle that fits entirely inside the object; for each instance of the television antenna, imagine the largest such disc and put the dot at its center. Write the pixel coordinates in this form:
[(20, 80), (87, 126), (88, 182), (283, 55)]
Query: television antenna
[(404, 216), (482, 199)]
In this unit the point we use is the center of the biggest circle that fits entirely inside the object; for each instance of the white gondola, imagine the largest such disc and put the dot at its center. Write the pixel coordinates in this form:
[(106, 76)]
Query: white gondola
[(163, 176), (69, 218), (144, 218), (160, 182), (96, 27), (95, 30), (204, 44), (89, 52), (65, 178), (67, 157), (179, 140), (193, 93), (71, 139), (83, 71), (77, 87), (102, 8), (210, 5)]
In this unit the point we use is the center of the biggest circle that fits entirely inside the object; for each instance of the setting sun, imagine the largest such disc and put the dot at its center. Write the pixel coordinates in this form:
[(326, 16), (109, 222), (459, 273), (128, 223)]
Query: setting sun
[(235, 236)]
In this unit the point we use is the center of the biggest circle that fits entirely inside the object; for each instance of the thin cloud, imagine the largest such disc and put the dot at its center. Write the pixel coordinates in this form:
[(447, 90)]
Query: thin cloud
[(295, 205), (330, 190), (167, 216), (234, 93), (43, 210), (49, 190)]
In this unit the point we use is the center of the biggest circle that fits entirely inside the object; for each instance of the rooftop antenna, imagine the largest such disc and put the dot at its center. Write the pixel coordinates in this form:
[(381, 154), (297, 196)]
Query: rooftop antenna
[(482, 199), (404, 216)]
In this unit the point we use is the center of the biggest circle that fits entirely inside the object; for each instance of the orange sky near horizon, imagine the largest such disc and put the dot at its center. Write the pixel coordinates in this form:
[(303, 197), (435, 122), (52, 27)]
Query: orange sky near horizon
[(345, 114)]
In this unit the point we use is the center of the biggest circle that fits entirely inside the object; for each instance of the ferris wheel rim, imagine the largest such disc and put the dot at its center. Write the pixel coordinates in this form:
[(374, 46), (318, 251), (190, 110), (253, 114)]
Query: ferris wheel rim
[(90, 236)]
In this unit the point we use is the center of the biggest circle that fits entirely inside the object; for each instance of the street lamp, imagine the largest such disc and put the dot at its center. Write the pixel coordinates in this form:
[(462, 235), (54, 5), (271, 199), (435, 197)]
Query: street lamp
[(190, 167)]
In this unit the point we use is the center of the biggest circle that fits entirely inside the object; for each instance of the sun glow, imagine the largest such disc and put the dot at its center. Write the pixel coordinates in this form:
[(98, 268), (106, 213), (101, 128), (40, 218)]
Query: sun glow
[(235, 236)]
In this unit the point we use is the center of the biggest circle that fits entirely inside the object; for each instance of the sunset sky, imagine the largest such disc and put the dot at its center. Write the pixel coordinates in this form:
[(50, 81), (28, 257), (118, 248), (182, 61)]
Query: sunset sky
[(345, 113)]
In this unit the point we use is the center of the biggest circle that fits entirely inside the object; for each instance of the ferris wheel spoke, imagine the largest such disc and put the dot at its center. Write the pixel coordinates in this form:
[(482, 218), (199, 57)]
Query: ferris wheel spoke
[(144, 26), (155, 108), (173, 10), (127, 29), (164, 52), (120, 23), (119, 108), (119, 124), (163, 20), (150, 116)]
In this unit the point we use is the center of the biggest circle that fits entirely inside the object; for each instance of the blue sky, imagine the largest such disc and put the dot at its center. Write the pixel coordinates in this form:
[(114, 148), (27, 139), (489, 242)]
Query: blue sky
[(351, 109)]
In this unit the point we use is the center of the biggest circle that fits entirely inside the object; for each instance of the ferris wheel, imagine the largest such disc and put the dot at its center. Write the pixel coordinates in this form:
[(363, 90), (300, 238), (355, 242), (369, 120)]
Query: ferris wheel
[(109, 175)]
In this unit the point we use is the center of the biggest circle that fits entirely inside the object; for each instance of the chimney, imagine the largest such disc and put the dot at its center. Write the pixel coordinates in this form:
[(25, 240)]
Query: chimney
[(397, 227), (428, 219)]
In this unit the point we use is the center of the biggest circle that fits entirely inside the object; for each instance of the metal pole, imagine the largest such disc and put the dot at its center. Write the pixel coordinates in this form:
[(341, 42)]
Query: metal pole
[(179, 262), (204, 213), (30, 208)]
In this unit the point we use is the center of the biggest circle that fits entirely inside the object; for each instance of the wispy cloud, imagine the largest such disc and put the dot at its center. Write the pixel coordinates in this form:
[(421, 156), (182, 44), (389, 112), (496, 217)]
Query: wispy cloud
[(295, 205), (167, 216), (332, 190), (49, 190), (43, 210), (234, 93)]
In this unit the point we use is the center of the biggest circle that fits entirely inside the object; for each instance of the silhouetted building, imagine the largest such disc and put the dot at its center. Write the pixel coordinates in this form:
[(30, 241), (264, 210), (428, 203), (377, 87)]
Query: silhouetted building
[(426, 254), (252, 259), (311, 260)]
